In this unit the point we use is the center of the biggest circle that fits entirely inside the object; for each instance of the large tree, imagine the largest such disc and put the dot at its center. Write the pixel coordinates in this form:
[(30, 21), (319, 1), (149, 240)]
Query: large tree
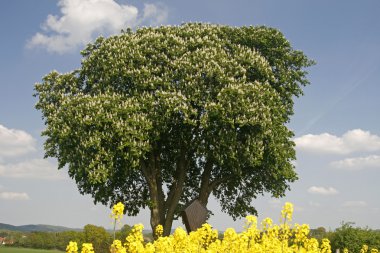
[(160, 116)]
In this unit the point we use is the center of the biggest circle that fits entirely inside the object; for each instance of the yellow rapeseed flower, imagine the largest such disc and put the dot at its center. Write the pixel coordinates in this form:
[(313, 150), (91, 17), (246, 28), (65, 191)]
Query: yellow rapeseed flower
[(287, 211), (117, 247), (271, 238), (325, 246), (159, 230), (72, 247), (116, 216), (267, 223), (364, 249), (117, 211), (300, 233), (87, 248)]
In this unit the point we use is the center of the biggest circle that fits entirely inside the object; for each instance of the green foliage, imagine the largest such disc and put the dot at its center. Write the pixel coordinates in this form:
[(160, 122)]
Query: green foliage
[(98, 236), (160, 116), (44, 240), (101, 240), (123, 232), (319, 233), (63, 238), (353, 238)]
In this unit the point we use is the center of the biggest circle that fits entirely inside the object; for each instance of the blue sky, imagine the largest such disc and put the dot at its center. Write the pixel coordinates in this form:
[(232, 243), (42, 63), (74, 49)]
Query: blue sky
[(336, 122)]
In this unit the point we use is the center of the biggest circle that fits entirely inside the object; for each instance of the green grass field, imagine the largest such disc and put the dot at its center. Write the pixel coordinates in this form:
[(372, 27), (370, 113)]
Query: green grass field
[(24, 250)]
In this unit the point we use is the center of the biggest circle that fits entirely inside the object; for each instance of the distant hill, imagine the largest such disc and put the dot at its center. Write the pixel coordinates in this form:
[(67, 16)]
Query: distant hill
[(40, 228)]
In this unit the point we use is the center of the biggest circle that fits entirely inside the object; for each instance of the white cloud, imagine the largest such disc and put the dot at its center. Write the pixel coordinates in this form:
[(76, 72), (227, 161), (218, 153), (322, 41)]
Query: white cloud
[(15, 142), (14, 196), (359, 203), (322, 190), (321, 143), (81, 21), (36, 168), (356, 140), (357, 163)]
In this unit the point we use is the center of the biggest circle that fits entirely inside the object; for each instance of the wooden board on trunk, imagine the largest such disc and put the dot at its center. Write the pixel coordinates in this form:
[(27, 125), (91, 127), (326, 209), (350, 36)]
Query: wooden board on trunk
[(194, 215)]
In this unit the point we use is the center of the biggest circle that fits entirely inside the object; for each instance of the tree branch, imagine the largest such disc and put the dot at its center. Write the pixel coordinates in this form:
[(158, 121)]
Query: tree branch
[(217, 182), (204, 192)]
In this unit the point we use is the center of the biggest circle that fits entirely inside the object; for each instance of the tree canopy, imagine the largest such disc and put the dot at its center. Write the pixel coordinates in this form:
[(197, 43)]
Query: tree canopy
[(159, 116)]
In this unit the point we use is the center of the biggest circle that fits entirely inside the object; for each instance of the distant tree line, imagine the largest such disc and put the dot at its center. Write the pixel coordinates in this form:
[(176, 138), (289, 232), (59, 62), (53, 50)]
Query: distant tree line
[(346, 236), (98, 236)]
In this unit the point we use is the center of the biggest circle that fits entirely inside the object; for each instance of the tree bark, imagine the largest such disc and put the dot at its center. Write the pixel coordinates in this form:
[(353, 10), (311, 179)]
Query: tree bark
[(175, 192), (162, 211), (205, 190), (151, 172)]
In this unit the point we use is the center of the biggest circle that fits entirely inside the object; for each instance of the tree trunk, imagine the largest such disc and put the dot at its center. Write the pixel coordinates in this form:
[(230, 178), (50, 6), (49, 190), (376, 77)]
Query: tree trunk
[(175, 192), (162, 211), (151, 172)]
